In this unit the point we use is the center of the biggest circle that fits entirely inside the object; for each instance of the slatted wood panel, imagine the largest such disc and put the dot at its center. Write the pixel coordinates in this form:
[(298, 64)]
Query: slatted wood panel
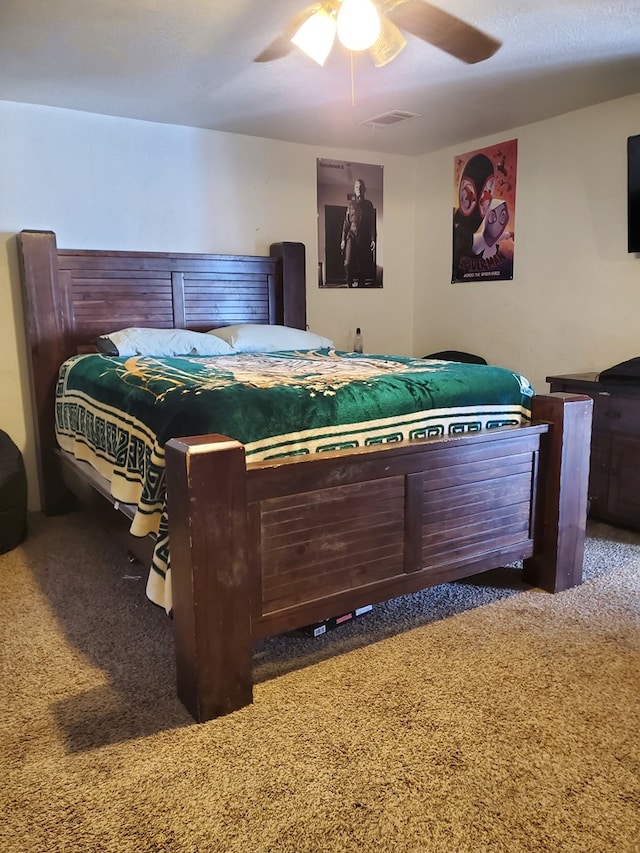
[(223, 300), (107, 291), (104, 302), (466, 504), (481, 507), (324, 542)]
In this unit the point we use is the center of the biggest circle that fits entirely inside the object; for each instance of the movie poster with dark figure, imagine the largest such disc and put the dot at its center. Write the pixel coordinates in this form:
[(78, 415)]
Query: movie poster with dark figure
[(349, 224), (484, 212)]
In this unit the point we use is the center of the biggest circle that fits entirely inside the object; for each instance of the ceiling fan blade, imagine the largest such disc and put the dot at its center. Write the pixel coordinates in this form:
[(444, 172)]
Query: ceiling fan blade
[(282, 44), (443, 30), (388, 44), (278, 49)]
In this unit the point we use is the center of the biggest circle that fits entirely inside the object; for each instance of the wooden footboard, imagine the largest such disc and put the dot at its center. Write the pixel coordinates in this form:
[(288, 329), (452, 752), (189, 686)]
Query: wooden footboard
[(262, 548)]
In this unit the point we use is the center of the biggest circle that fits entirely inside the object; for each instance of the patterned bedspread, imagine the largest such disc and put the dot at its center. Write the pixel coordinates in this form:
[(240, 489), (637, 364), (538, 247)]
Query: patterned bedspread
[(117, 413)]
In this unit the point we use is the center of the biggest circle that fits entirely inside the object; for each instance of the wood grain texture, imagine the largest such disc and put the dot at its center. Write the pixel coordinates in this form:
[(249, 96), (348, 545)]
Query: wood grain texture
[(210, 574)]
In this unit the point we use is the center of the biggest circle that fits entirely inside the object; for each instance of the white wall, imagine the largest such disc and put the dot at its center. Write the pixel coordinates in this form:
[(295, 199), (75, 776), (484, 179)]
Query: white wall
[(102, 182), (109, 183), (574, 302)]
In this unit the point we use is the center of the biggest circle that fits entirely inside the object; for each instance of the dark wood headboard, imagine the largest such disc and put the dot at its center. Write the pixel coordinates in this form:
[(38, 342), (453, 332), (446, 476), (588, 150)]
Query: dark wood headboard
[(72, 296)]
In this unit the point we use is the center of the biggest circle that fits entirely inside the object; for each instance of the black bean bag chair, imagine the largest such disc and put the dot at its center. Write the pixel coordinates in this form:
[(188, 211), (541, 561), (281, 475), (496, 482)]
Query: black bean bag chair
[(456, 355), (13, 495)]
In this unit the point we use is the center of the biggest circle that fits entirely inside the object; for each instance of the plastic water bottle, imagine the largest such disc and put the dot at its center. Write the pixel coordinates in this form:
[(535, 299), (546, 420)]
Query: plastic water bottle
[(357, 341)]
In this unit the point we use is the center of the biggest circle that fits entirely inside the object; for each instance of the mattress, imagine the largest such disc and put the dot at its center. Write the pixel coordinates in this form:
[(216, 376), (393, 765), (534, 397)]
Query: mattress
[(117, 414)]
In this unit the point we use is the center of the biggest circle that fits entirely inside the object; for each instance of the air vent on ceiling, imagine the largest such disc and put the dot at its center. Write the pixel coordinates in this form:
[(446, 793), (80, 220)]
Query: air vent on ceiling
[(392, 117)]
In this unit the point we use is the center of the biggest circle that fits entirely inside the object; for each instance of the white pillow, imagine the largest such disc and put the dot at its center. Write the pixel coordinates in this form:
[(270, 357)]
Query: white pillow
[(254, 337), (161, 342)]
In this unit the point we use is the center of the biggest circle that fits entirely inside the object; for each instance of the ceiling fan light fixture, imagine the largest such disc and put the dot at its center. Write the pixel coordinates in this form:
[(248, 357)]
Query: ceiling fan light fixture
[(316, 36), (358, 24), (388, 45)]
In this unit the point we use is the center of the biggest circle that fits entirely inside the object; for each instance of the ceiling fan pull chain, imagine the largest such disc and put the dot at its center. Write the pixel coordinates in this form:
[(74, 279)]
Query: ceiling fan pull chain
[(353, 95)]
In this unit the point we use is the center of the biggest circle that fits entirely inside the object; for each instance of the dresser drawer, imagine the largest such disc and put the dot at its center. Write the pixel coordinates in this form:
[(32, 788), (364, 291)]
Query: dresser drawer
[(615, 414)]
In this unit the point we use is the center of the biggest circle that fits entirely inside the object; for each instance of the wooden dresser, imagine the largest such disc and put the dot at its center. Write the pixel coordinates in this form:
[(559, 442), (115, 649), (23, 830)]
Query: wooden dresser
[(614, 479)]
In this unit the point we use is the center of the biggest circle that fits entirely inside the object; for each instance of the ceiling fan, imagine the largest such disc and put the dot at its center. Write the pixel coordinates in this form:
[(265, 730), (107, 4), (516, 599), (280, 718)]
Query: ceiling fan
[(377, 26)]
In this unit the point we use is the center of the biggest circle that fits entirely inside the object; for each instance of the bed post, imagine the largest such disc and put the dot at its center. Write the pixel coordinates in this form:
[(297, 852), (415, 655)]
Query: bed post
[(564, 468), (48, 346), (210, 573), (291, 309)]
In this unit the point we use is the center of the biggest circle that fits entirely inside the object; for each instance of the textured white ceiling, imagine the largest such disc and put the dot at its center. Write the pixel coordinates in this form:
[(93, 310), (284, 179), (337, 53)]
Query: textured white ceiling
[(189, 62)]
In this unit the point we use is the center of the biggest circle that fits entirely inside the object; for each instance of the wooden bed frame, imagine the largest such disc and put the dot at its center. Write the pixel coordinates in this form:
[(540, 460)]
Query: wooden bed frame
[(261, 548)]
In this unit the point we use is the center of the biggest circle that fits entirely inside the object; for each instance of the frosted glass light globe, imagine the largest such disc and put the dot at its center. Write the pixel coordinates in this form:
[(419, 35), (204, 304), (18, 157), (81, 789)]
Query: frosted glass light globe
[(358, 24), (315, 37)]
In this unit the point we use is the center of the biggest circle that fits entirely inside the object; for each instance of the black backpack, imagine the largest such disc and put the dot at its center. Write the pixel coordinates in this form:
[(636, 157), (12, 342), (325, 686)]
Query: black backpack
[(13, 495)]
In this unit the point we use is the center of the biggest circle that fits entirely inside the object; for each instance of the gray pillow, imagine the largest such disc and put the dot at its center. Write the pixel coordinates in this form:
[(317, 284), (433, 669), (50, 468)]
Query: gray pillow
[(161, 343)]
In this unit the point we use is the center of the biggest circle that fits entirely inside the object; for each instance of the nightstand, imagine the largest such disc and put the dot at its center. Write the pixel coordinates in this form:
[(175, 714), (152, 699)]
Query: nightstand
[(614, 479)]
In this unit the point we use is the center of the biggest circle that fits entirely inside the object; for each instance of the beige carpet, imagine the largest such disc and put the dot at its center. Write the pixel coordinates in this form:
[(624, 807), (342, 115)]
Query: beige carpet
[(473, 717)]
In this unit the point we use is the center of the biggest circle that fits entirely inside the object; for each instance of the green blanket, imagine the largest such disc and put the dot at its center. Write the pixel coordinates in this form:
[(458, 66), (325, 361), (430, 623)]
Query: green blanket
[(118, 413)]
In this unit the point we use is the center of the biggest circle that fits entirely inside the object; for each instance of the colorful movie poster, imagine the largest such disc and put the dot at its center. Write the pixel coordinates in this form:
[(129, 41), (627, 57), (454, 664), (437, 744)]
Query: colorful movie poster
[(484, 212), (350, 215)]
